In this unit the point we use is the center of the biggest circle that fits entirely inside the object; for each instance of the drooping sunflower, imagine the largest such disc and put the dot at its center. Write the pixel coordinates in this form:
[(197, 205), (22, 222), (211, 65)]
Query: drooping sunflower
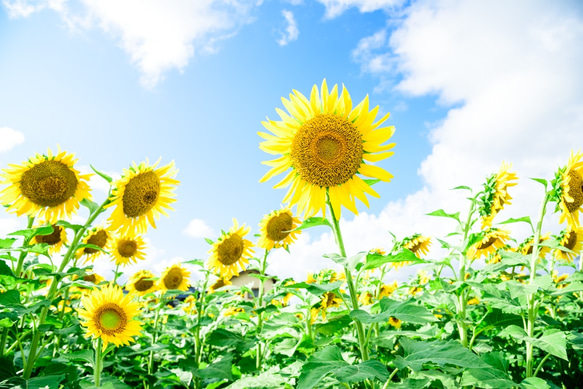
[(231, 251), (493, 239), (127, 249), (98, 236), (140, 196), (325, 144), (496, 194), (76, 292), (571, 188), (46, 186), (571, 239), (55, 240), (109, 315), (526, 247), (142, 282), (219, 283), (276, 229), (175, 277)]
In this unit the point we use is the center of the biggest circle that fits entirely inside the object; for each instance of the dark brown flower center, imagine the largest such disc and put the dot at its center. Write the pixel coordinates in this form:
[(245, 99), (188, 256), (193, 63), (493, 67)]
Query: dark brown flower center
[(173, 279), (127, 247), (144, 284), (230, 250), (141, 194), (49, 183), (99, 239), (52, 238), (278, 227), (575, 191)]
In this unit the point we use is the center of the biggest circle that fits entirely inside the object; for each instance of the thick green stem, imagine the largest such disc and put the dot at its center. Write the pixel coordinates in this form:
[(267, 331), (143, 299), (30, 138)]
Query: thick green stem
[(98, 366)]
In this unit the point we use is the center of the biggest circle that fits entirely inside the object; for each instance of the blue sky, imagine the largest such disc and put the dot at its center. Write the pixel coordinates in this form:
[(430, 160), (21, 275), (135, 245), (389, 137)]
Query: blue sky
[(467, 87)]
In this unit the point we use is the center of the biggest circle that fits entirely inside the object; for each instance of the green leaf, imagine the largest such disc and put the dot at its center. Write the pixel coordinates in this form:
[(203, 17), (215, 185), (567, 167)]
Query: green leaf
[(66, 224), (553, 342), (9, 298), (366, 370), (7, 369), (83, 355), (5, 270), (263, 380), (313, 222), (525, 219), (462, 187), (209, 241), (411, 383), (442, 213), (540, 181), (574, 287), (374, 260), (334, 325), (494, 376), (29, 233), (407, 311), (513, 331), (102, 175), (7, 243), (316, 289), (90, 205), (534, 383), (371, 181), (217, 370)]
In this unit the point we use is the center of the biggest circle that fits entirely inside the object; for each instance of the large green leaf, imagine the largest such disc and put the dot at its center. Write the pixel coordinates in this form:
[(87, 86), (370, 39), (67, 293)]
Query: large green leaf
[(313, 222), (553, 342), (374, 260), (316, 289), (219, 369), (407, 311), (534, 383)]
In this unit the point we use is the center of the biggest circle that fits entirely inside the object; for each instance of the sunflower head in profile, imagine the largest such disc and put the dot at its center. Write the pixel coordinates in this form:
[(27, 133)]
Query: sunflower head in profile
[(109, 315), (140, 196), (77, 292), (141, 283), (127, 249), (98, 236), (526, 247), (492, 239), (46, 186), (571, 239), (417, 244), (175, 277), (231, 251), (219, 283), (324, 146), (495, 195), (568, 185), (55, 240), (276, 229)]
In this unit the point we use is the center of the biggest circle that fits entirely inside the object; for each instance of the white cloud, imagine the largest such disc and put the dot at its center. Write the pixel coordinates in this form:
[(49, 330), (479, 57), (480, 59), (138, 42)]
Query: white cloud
[(10, 139), (291, 31), (158, 36), (197, 228), (336, 7)]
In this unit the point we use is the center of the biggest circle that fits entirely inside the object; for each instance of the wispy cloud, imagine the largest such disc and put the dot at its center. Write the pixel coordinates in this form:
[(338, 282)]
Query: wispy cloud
[(198, 228), (291, 32), (335, 8), (10, 139)]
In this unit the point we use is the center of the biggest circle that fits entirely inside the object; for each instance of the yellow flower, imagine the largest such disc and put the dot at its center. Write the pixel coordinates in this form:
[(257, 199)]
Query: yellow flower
[(311, 279), (232, 311), (324, 144), (109, 315), (276, 229), (526, 246), (45, 186), (189, 305), (423, 277), (329, 300), (99, 237), (365, 298), (175, 277), (140, 196), (219, 284), (231, 252), (571, 239), (395, 322), (77, 292), (418, 245), (572, 191), (127, 249), (474, 301), (55, 240), (387, 289), (142, 283), (493, 239), (496, 194)]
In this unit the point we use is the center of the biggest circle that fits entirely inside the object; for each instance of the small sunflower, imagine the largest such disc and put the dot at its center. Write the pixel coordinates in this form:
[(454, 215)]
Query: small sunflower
[(393, 321), (387, 289), (174, 277), (526, 246), (325, 144), (127, 249), (329, 300), (276, 229), (231, 252), (493, 239), (571, 190), (142, 283), (496, 194), (219, 284), (140, 196), (109, 315), (45, 186), (55, 240), (189, 305), (571, 239), (365, 298), (76, 292), (417, 244), (98, 236)]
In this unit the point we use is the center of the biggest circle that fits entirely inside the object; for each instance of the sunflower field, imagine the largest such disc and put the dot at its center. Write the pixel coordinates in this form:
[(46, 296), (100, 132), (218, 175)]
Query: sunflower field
[(488, 312)]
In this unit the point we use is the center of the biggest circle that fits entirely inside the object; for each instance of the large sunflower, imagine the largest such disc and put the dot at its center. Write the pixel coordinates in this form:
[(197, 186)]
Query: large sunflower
[(98, 236), (127, 249), (276, 229), (175, 277), (496, 194), (571, 239), (325, 144), (45, 186), (55, 240), (140, 196), (110, 315), (231, 251), (571, 198), (492, 240), (142, 283)]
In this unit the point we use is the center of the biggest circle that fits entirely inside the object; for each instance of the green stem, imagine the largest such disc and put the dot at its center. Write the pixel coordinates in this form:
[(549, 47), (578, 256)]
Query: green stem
[(20, 262), (540, 365), (390, 378), (349, 280), (115, 274), (3, 339), (463, 296), (155, 334), (98, 366), (260, 305)]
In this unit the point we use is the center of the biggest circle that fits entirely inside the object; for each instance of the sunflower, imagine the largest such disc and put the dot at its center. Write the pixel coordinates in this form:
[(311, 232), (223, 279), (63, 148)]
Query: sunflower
[(231, 252), (571, 190), (98, 236), (110, 315), (365, 298), (393, 321), (76, 292), (387, 289), (55, 240), (140, 196), (45, 186), (492, 240), (127, 249), (174, 277), (141, 283), (189, 305), (417, 244), (571, 239), (496, 194), (526, 246), (219, 284), (326, 143), (276, 229)]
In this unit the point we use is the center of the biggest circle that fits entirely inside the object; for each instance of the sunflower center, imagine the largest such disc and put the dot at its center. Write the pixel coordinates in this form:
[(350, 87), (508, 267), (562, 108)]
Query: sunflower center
[(98, 239), (327, 150), (110, 319), (278, 227), (141, 194), (483, 245), (230, 250), (49, 183), (217, 285), (90, 278), (173, 279), (571, 240), (127, 248), (575, 191), (144, 284), (414, 248), (52, 238)]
